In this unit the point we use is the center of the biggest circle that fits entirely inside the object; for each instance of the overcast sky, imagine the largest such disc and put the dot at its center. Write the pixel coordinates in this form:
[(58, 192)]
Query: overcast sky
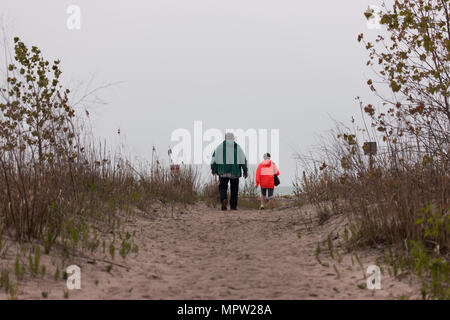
[(263, 64)]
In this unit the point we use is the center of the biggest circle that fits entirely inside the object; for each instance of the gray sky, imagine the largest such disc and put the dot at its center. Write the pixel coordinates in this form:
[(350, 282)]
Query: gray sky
[(281, 64)]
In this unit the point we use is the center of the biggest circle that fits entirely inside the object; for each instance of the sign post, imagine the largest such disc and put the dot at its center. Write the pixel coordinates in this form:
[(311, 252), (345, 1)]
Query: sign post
[(370, 149)]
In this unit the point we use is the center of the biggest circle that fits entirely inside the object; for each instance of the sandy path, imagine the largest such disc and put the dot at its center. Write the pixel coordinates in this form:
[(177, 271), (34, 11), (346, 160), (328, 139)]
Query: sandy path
[(204, 253)]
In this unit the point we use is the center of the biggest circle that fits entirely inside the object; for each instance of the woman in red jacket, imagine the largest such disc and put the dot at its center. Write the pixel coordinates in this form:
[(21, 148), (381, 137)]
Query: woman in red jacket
[(265, 178)]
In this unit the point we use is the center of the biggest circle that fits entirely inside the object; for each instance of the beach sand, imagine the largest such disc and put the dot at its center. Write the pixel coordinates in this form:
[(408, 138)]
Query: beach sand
[(199, 252)]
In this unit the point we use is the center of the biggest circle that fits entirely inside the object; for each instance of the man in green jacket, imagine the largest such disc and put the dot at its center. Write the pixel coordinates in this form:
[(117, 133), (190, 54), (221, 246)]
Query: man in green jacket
[(228, 161)]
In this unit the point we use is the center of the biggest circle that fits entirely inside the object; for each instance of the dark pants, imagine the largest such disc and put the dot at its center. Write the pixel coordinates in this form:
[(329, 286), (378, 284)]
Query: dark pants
[(234, 188)]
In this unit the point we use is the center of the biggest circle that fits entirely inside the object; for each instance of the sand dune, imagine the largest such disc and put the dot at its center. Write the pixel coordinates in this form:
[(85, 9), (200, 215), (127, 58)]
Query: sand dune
[(204, 253)]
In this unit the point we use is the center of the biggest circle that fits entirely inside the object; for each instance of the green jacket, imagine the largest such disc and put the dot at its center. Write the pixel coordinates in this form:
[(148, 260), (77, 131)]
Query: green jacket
[(229, 158)]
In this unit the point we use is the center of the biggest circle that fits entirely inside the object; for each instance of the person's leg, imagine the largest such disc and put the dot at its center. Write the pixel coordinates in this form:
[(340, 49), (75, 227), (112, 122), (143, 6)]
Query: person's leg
[(234, 190), (263, 198), (223, 189), (270, 191)]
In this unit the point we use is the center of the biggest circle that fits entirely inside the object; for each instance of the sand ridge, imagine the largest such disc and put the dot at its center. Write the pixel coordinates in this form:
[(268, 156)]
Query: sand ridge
[(203, 253)]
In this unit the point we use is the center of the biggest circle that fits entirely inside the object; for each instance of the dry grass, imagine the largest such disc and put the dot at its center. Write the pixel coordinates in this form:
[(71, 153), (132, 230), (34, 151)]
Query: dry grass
[(58, 187), (400, 201)]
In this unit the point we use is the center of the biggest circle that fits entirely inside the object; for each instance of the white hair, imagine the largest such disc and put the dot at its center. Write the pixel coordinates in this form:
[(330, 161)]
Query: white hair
[(229, 136)]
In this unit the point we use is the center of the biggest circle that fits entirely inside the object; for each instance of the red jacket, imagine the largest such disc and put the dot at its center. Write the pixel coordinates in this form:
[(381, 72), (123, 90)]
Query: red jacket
[(265, 173)]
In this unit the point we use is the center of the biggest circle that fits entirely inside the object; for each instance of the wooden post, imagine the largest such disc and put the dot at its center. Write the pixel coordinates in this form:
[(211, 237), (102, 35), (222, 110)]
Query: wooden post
[(370, 149)]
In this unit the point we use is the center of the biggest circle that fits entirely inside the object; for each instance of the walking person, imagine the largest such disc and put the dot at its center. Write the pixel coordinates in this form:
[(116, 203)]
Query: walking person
[(266, 174), (229, 161)]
